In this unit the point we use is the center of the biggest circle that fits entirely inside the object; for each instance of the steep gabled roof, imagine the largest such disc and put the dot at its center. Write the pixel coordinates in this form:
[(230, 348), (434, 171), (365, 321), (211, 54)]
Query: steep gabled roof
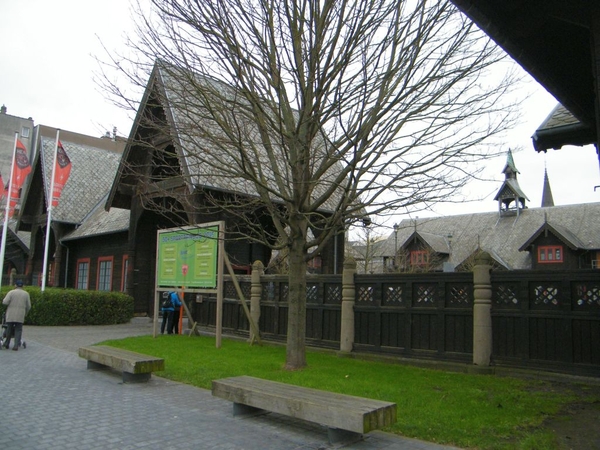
[(94, 162), (175, 92)]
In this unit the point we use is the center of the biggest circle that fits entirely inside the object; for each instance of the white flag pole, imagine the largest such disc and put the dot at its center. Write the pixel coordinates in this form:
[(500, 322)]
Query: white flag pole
[(7, 209), (50, 199)]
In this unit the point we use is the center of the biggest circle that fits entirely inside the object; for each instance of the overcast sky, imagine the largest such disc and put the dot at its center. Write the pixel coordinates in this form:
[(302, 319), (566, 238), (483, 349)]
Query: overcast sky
[(46, 72)]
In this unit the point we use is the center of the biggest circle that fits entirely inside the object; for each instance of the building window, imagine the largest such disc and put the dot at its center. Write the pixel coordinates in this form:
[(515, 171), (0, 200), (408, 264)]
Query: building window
[(105, 265), (25, 132), (419, 257), (549, 254), (125, 273), (83, 274)]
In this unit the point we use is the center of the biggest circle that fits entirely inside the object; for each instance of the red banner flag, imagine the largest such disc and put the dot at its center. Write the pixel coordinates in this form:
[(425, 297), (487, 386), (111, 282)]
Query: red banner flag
[(61, 173), (21, 169), (3, 189)]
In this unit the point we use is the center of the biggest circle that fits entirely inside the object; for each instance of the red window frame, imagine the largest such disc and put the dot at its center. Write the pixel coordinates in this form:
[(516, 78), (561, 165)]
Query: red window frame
[(87, 282), (419, 257), (550, 254), (112, 271)]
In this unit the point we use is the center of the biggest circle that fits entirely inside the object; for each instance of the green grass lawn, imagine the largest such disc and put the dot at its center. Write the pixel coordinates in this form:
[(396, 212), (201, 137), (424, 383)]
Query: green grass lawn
[(465, 410)]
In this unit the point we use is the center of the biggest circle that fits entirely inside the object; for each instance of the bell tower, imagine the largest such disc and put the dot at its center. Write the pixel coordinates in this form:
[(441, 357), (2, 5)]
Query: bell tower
[(510, 197)]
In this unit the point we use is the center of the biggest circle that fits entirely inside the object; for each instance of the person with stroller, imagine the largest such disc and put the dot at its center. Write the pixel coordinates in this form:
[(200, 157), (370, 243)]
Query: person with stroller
[(18, 305)]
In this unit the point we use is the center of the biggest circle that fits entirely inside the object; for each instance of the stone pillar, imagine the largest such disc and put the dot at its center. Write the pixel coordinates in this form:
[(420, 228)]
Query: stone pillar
[(482, 310), (258, 270), (348, 299), (13, 275)]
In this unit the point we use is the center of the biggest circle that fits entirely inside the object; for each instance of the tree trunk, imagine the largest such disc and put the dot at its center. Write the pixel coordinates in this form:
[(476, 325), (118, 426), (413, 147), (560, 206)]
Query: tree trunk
[(295, 357)]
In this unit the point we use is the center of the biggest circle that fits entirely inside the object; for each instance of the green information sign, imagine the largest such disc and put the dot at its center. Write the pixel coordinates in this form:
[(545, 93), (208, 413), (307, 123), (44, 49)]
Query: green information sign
[(188, 257)]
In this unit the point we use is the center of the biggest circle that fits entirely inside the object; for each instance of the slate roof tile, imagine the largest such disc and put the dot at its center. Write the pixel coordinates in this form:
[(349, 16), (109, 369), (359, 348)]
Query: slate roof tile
[(502, 236), (92, 173)]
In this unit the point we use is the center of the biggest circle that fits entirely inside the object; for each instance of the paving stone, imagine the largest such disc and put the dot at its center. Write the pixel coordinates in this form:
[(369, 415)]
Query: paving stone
[(50, 400)]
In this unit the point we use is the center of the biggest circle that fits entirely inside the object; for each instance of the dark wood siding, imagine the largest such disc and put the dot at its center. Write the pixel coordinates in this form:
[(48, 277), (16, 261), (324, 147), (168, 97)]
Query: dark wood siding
[(94, 248)]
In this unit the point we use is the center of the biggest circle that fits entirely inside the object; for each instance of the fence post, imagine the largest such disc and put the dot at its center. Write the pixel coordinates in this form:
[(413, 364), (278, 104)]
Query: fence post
[(258, 270), (482, 310), (13, 274), (348, 299)]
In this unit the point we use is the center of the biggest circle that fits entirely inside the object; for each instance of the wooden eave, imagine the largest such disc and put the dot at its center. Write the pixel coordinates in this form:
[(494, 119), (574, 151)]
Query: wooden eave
[(550, 39)]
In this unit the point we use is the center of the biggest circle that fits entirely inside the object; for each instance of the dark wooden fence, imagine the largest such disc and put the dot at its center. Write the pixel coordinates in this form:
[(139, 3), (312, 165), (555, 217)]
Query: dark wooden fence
[(542, 320)]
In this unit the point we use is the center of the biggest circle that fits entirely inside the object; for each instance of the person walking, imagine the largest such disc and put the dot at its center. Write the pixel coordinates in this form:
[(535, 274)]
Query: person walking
[(18, 305)]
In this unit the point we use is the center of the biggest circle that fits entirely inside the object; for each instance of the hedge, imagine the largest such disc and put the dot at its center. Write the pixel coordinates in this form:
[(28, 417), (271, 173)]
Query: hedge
[(59, 307)]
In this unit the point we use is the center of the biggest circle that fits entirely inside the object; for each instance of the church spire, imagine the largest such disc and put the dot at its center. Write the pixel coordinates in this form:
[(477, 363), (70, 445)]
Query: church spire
[(547, 199)]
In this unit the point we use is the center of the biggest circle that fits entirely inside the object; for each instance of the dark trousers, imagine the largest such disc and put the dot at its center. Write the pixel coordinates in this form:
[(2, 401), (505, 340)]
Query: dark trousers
[(17, 329), (175, 325), (167, 322)]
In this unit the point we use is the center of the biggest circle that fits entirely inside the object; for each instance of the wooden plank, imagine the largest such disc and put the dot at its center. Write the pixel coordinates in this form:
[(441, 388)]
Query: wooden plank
[(356, 414)]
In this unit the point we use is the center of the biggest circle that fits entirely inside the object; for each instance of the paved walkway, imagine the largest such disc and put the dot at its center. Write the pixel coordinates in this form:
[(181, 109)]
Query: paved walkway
[(49, 400)]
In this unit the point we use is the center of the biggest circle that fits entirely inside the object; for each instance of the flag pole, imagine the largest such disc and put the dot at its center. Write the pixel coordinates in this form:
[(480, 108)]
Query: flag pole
[(49, 200), (7, 209)]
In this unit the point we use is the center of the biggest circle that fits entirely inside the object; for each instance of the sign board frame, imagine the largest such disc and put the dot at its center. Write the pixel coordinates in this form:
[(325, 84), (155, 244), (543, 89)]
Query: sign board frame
[(191, 258)]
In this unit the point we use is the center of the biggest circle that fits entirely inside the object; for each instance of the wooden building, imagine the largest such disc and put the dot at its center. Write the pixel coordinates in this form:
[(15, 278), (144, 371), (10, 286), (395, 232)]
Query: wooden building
[(94, 163), (517, 236), (164, 181)]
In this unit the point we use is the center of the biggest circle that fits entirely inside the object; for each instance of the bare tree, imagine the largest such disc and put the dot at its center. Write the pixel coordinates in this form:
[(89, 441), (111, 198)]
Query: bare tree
[(333, 109), (366, 250)]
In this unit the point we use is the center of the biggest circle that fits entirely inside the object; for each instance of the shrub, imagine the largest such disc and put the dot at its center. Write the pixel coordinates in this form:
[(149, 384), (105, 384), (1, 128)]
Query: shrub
[(55, 307)]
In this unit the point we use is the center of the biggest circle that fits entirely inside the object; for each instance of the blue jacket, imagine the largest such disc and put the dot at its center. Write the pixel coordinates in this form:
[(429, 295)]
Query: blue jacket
[(175, 302)]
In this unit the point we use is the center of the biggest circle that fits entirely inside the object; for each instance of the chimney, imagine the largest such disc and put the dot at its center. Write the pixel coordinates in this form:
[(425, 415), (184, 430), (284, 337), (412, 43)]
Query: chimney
[(3, 109)]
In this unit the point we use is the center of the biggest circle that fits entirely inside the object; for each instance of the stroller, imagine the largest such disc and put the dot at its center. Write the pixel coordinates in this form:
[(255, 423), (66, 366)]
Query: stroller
[(3, 334)]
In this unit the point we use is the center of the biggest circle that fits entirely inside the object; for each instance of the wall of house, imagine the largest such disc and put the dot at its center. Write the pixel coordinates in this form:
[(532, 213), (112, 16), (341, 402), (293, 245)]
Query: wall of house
[(570, 257), (95, 248)]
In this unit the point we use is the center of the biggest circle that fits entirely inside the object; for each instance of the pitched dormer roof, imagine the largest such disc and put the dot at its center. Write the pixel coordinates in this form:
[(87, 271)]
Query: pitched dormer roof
[(566, 236), (435, 242)]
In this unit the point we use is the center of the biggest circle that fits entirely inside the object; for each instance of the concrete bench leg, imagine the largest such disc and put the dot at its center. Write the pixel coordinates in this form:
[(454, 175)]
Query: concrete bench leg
[(337, 436), (136, 377), (241, 410), (91, 365)]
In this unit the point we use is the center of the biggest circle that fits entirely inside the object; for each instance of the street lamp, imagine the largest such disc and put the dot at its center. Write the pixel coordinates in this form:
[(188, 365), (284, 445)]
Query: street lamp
[(396, 228)]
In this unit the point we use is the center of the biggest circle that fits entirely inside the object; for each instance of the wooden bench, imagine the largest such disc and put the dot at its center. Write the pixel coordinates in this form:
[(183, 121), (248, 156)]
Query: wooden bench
[(135, 367), (347, 417)]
